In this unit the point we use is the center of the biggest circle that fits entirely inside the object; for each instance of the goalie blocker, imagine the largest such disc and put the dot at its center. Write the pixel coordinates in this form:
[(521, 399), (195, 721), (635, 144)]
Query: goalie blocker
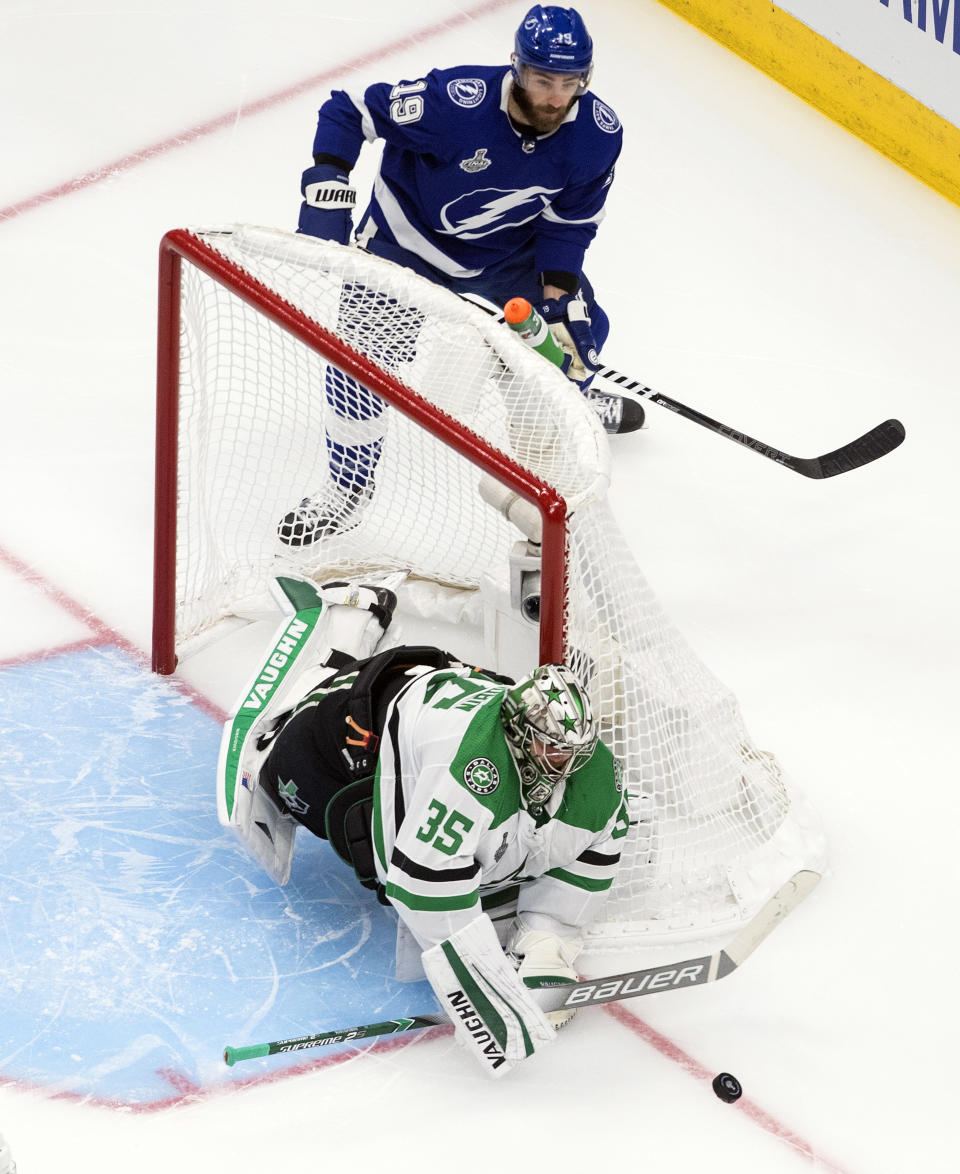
[(494, 1015)]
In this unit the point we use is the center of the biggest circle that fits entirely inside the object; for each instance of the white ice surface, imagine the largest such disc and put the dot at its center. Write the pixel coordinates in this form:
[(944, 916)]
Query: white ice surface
[(757, 263)]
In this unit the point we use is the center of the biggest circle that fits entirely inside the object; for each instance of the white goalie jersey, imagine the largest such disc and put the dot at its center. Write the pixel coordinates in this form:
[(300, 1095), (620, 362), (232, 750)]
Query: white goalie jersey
[(449, 828)]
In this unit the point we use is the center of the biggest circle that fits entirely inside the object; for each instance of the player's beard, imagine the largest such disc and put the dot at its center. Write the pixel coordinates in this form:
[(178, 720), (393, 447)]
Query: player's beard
[(543, 119)]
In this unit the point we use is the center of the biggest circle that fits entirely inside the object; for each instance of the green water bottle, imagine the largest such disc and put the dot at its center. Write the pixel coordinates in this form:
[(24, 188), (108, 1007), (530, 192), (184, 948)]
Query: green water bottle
[(524, 319)]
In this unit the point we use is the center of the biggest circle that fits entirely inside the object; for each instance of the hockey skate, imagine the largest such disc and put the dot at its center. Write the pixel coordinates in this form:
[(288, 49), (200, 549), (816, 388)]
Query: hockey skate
[(616, 414), (334, 510)]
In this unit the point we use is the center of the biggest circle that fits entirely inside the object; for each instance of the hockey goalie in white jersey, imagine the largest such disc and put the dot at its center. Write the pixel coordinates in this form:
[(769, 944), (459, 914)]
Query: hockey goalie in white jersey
[(452, 792)]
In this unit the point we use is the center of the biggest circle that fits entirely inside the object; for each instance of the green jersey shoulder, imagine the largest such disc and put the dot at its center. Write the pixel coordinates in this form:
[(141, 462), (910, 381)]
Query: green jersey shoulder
[(482, 763), (594, 793)]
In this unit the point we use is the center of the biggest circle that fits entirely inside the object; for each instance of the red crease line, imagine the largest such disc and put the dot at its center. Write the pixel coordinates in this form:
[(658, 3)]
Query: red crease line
[(48, 653), (189, 1093), (179, 1080), (101, 634)]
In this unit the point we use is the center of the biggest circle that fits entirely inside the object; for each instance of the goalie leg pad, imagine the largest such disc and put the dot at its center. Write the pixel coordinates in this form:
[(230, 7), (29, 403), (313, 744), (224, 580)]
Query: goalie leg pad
[(268, 833), (264, 830), (493, 1013), (302, 655)]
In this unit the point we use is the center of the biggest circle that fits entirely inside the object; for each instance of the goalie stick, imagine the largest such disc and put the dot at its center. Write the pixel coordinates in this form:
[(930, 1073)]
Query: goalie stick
[(870, 447), (676, 976)]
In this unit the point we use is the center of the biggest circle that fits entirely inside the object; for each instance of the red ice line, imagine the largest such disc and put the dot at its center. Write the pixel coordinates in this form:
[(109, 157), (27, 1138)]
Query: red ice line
[(231, 117), (189, 1093), (666, 1047), (101, 633)]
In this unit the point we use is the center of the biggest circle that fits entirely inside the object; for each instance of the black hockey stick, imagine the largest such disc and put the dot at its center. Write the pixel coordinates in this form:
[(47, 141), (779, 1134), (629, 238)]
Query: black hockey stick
[(677, 976), (871, 446)]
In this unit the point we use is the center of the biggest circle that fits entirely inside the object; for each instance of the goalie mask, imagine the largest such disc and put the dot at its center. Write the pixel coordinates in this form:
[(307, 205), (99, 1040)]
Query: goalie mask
[(550, 729)]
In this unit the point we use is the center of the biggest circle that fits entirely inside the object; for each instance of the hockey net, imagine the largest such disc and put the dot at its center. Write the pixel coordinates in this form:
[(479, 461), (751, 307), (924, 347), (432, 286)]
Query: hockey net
[(270, 344)]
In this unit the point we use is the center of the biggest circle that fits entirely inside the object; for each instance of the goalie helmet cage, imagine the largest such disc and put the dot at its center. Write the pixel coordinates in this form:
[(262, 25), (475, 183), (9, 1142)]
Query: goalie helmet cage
[(270, 345)]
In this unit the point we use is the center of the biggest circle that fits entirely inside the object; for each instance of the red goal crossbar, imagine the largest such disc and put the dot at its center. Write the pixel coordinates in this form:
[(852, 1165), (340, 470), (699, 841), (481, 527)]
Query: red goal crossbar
[(179, 245)]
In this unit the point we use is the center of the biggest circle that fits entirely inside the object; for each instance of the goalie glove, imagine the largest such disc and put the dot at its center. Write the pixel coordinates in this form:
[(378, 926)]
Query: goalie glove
[(569, 324), (544, 960), (328, 203), (493, 1015)]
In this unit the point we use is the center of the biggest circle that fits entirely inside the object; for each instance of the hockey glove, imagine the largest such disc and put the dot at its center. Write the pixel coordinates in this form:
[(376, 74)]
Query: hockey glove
[(544, 960), (494, 1015), (569, 324), (328, 203)]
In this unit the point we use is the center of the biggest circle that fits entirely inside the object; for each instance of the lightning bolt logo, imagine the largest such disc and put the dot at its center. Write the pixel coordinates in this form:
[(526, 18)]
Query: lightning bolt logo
[(490, 210)]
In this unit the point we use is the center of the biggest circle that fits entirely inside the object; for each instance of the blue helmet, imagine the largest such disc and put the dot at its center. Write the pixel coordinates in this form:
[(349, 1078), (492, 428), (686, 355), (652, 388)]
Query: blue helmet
[(553, 40)]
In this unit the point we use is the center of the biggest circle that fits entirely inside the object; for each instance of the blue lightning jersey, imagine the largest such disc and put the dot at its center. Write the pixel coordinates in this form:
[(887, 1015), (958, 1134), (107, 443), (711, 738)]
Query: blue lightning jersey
[(461, 187)]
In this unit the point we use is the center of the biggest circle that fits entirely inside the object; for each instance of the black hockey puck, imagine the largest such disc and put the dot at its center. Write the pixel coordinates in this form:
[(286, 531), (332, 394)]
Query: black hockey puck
[(727, 1087)]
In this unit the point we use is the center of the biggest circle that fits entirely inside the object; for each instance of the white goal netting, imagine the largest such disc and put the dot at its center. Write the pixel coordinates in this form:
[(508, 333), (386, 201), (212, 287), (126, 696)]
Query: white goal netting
[(265, 421)]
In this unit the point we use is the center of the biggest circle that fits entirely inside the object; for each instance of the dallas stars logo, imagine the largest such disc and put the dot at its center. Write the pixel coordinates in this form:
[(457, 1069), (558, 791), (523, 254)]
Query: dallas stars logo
[(288, 793), (481, 776)]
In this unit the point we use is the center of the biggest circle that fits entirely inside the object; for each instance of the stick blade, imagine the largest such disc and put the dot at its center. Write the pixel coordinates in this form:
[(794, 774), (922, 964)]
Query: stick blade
[(783, 901), (871, 446)]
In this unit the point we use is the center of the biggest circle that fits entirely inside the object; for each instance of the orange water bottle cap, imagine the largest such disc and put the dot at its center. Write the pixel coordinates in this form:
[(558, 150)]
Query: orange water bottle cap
[(517, 310)]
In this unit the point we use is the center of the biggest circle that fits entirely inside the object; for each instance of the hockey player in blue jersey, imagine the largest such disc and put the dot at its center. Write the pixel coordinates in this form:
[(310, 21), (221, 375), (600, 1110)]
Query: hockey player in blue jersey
[(492, 182)]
